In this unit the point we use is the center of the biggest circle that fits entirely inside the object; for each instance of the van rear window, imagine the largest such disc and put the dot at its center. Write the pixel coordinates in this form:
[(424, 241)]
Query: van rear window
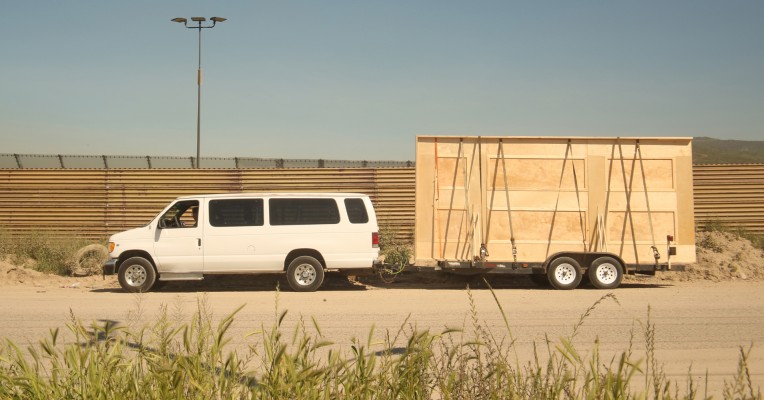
[(356, 211), (236, 212), (303, 211)]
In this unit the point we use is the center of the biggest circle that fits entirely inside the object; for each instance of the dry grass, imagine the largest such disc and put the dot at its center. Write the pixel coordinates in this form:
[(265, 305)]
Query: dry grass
[(177, 358), (42, 252)]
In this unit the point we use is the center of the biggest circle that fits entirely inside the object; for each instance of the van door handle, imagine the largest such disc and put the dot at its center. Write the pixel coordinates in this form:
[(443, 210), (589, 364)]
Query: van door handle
[(199, 242)]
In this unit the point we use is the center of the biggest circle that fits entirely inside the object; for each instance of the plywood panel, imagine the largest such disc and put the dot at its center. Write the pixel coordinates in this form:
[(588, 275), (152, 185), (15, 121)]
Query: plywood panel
[(536, 173), (636, 226), (537, 200), (452, 172), (539, 225), (634, 175)]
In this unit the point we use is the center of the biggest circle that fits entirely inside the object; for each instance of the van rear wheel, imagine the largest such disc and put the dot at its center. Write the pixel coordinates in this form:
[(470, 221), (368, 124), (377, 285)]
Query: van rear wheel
[(305, 274)]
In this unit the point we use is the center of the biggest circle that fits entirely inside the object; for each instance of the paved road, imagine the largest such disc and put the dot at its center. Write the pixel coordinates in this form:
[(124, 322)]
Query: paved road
[(702, 325)]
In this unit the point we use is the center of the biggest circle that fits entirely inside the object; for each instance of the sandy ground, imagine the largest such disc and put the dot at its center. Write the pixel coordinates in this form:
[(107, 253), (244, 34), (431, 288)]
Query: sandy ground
[(701, 325), (703, 316)]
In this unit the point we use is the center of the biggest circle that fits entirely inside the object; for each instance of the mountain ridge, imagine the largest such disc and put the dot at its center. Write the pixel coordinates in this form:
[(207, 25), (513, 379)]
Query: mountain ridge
[(707, 150)]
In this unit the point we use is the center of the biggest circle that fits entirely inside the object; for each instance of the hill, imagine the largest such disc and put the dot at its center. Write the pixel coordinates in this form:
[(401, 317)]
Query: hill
[(715, 151)]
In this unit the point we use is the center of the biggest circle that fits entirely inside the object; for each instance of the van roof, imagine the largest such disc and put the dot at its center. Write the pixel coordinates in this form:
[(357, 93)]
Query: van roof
[(270, 194)]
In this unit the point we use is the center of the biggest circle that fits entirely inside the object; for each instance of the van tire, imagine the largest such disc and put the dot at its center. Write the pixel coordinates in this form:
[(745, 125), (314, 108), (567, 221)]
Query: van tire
[(136, 275), (305, 274), (606, 273), (564, 273)]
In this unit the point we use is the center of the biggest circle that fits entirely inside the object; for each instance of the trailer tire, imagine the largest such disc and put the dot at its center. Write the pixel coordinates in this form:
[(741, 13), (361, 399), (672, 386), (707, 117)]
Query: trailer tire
[(605, 273), (564, 273)]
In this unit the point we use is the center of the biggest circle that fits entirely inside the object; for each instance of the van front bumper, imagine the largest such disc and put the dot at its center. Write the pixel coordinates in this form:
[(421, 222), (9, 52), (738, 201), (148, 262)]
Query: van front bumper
[(110, 267)]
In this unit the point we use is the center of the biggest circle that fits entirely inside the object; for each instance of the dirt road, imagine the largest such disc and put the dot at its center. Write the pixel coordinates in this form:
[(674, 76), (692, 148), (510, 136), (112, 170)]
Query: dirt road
[(699, 324)]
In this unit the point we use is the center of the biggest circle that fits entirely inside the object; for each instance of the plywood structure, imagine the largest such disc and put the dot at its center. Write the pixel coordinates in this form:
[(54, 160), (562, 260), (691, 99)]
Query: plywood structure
[(526, 198)]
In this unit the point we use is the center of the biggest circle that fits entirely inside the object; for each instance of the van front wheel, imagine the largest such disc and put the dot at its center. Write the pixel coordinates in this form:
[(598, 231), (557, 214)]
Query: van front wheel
[(305, 274), (136, 274)]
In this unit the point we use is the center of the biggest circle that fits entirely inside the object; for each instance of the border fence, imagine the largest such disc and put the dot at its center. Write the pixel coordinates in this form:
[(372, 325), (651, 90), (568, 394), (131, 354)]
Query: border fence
[(97, 202), (47, 161), (730, 194)]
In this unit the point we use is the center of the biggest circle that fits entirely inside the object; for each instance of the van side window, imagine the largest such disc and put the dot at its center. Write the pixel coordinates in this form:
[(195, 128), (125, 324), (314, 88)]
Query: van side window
[(236, 212), (356, 211), (303, 211)]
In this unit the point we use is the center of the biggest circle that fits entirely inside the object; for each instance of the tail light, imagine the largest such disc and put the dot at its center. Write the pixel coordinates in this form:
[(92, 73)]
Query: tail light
[(375, 239)]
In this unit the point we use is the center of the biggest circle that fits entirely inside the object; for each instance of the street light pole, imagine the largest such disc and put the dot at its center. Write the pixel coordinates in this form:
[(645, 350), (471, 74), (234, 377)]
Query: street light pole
[(199, 27)]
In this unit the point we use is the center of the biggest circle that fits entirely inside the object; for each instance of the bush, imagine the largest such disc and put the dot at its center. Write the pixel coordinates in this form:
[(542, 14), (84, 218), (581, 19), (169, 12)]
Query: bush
[(396, 251), (48, 253)]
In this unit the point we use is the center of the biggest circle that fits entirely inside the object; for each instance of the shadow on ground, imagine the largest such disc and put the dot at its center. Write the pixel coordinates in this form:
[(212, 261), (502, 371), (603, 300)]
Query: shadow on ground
[(406, 281)]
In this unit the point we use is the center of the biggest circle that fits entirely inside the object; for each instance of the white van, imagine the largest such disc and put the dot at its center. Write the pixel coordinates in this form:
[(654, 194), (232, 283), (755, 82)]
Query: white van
[(302, 234)]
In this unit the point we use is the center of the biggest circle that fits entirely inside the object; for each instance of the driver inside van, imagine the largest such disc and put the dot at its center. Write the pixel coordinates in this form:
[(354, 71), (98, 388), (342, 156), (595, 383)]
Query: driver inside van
[(195, 215)]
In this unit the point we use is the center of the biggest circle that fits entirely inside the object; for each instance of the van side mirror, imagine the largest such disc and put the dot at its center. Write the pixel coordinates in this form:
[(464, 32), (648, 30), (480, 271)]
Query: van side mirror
[(162, 224)]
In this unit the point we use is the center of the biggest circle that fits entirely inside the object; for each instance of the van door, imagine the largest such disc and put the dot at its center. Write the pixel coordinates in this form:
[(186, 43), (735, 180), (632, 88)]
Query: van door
[(177, 241), (234, 236)]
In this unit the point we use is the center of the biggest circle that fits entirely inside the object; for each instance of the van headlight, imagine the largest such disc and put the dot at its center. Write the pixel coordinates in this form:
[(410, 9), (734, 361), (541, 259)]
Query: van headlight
[(112, 245)]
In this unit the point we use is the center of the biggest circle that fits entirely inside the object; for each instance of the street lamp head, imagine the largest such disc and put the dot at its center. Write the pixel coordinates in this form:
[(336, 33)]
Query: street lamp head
[(181, 20), (198, 19), (217, 19)]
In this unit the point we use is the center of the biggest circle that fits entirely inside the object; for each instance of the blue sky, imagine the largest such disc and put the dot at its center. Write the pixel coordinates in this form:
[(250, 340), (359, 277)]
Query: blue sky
[(340, 79)]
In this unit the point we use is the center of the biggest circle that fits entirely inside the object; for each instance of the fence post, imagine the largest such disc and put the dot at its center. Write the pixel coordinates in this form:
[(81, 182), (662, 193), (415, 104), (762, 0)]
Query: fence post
[(18, 161)]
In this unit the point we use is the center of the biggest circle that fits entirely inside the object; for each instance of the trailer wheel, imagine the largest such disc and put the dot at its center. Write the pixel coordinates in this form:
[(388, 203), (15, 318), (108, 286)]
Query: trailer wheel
[(564, 273), (606, 273)]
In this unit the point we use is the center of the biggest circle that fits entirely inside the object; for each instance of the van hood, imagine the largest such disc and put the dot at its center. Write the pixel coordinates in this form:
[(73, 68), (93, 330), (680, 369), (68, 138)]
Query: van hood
[(135, 233), (133, 239)]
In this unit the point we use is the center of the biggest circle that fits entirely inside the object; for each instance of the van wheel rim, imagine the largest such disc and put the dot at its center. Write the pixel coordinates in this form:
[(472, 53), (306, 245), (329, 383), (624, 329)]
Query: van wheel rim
[(606, 273), (305, 274), (565, 274), (135, 275)]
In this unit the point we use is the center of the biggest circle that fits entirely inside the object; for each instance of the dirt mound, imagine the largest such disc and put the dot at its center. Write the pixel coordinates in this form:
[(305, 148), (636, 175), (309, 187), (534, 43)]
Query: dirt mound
[(722, 256), (12, 274), (15, 273)]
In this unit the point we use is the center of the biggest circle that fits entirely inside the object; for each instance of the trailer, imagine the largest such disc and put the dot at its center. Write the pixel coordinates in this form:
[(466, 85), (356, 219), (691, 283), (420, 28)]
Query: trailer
[(559, 209)]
